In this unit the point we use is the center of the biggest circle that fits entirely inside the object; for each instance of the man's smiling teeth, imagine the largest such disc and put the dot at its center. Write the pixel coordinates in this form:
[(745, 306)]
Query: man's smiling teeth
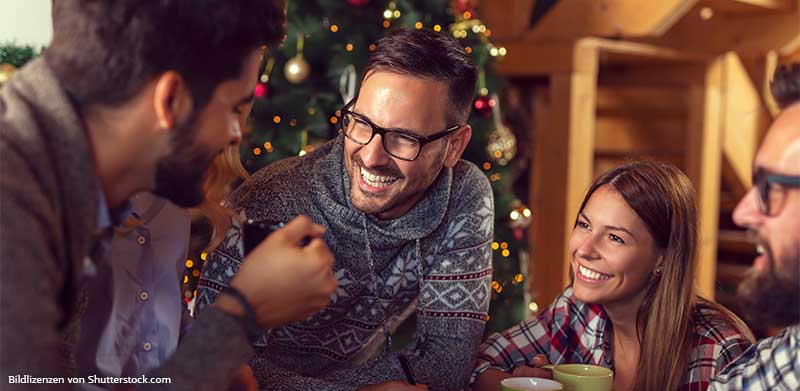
[(376, 180), (760, 249), (591, 274)]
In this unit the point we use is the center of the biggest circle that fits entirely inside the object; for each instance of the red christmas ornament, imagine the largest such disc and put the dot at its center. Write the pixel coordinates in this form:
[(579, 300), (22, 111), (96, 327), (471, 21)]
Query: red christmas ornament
[(262, 89), (462, 6), (483, 105), (357, 3)]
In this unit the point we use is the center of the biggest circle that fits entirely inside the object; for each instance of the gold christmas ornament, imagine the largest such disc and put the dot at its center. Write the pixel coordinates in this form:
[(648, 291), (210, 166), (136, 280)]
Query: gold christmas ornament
[(502, 144), (6, 70), (297, 69)]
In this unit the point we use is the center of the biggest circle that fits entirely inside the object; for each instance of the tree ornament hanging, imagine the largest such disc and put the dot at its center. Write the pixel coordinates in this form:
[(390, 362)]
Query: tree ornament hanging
[(261, 91), (462, 6), (502, 144), (483, 105), (347, 83), (297, 68), (262, 88), (520, 216)]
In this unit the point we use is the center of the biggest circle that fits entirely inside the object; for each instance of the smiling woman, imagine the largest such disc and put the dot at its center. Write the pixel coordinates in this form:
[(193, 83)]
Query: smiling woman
[(632, 305)]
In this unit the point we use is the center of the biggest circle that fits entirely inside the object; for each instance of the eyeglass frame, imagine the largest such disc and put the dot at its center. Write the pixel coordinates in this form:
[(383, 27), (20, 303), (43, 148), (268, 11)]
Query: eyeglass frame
[(422, 140), (763, 180)]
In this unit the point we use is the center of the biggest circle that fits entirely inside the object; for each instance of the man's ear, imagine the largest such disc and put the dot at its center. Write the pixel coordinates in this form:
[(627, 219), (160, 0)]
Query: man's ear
[(457, 144), (172, 100)]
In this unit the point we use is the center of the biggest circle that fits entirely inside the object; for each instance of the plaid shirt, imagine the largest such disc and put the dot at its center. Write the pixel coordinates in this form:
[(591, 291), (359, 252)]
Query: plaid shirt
[(571, 331), (773, 364)]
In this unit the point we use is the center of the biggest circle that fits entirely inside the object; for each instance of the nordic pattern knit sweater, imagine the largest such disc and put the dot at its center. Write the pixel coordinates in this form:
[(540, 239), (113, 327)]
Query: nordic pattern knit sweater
[(435, 260)]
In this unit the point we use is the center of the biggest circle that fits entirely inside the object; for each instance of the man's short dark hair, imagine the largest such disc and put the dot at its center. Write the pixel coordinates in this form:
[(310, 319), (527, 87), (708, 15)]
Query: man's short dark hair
[(785, 85), (429, 55), (105, 52)]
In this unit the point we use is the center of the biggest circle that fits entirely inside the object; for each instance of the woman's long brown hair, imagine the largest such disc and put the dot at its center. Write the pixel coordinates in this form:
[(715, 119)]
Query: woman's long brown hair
[(225, 170), (664, 198)]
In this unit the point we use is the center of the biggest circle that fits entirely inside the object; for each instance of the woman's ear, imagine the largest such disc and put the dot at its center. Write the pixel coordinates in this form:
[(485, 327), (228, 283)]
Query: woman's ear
[(659, 269), (172, 100)]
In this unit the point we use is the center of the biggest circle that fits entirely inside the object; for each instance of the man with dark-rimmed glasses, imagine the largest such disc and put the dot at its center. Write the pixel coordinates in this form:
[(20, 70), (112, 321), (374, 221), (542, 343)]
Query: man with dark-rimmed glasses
[(771, 211), (409, 223)]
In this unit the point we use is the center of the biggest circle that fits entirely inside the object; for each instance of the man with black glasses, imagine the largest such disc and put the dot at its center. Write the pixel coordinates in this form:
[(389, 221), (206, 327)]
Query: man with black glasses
[(409, 223), (771, 211)]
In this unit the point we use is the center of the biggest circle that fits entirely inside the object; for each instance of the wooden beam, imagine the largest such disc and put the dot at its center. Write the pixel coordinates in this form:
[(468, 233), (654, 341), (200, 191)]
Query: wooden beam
[(783, 5), (633, 100), (562, 170), (572, 19), (631, 135), (654, 75), (703, 166), (748, 34), (750, 6), (744, 119), (508, 19), (605, 162), (537, 58)]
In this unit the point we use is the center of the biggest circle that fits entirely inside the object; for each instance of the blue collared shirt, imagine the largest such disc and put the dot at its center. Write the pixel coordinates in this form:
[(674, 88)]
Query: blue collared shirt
[(135, 315)]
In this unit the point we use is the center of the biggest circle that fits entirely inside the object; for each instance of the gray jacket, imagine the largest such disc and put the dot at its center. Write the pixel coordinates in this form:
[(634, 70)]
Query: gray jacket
[(48, 212), (434, 261)]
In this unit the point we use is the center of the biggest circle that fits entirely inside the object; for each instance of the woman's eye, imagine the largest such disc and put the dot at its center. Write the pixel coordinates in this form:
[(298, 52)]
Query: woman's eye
[(616, 238), (583, 225)]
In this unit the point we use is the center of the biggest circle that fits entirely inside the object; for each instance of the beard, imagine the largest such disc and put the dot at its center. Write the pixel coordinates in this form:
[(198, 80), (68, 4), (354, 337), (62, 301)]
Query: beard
[(390, 170), (181, 174), (771, 297), (412, 190)]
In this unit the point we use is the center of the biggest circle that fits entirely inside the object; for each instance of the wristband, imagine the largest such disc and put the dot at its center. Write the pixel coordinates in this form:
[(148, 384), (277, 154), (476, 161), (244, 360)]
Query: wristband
[(249, 322)]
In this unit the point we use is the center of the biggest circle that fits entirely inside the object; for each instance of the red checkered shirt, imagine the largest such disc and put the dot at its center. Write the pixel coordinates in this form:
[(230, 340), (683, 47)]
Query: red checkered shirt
[(570, 331)]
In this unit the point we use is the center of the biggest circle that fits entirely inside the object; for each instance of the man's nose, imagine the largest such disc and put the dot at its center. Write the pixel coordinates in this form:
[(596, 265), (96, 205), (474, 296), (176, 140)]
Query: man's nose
[(373, 154), (747, 212)]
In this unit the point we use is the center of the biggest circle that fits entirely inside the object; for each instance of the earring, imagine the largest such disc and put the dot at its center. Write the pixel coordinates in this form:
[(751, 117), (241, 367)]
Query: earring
[(657, 272)]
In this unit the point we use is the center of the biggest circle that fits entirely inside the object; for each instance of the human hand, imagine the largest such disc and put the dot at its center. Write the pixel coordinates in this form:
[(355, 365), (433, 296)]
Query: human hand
[(395, 386), (283, 281), (534, 370)]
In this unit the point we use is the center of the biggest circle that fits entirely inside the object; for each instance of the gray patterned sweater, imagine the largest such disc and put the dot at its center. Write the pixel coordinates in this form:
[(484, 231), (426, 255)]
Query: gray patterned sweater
[(445, 239)]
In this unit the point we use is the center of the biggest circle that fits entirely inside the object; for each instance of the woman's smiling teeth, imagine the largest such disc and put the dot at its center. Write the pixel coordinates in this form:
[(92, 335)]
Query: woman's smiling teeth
[(376, 180), (591, 274)]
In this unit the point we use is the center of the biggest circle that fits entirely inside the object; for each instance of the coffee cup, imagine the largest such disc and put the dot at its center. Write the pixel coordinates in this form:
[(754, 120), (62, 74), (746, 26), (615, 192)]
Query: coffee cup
[(582, 377), (530, 384)]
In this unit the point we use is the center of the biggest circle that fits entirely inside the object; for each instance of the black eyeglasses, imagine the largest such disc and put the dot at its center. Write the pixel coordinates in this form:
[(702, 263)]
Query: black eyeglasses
[(772, 188), (400, 144)]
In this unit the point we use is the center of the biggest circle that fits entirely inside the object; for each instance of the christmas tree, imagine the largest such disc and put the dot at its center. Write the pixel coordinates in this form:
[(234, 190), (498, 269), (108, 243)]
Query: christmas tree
[(318, 68)]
